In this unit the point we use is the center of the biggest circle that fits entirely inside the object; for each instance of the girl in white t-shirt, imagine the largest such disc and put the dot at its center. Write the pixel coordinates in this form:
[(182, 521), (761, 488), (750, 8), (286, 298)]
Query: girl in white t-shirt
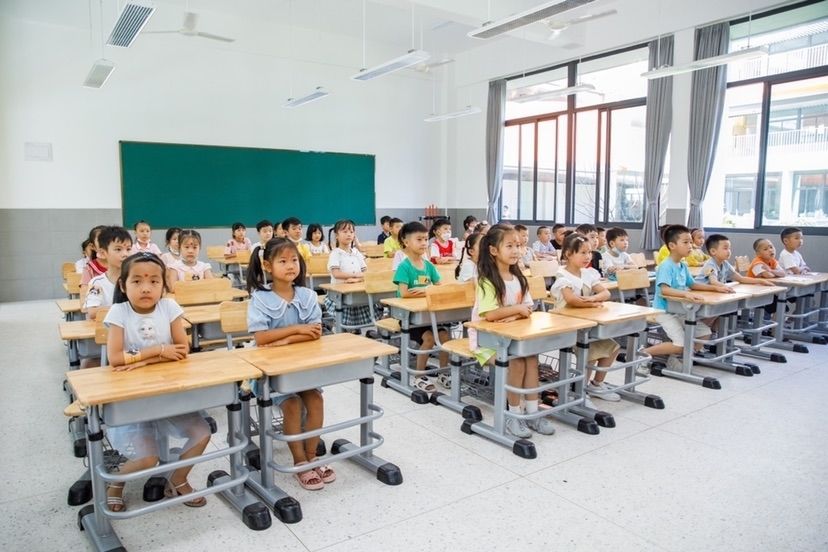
[(467, 269), (173, 252), (146, 329), (316, 240), (188, 267), (576, 285), (346, 265)]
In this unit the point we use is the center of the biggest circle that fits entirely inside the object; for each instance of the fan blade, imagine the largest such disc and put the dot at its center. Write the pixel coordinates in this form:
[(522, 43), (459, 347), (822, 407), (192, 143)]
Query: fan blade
[(215, 37)]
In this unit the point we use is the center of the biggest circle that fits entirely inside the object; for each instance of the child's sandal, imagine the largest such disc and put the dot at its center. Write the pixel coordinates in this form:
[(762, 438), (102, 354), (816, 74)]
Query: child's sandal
[(173, 491), (325, 473), (424, 384), (115, 503), (444, 380), (309, 480)]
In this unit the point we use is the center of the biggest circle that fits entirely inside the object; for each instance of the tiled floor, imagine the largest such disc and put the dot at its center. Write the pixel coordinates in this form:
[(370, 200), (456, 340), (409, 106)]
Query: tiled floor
[(716, 470)]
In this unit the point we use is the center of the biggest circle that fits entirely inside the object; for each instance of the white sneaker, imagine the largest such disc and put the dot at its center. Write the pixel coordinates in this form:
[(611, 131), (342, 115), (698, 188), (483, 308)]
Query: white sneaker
[(602, 391), (643, 370), (675, 363), (517, 427), (589, 404), (543, 426)]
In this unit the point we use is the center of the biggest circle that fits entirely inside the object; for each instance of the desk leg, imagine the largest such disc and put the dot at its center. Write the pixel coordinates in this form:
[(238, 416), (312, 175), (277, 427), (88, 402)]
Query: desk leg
[(687, 357), (574, 412), (780, 341), (255, 515), (401, 381), (454, 401), (603, 419), (286, 508), (804, 327), (91, 518), (74, 355), (753, 325), (630, 377), (725, 350), (386, 472), (337, 298), (196, 344)]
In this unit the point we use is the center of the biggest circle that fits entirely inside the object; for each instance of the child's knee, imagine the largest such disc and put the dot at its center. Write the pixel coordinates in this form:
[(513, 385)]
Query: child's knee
[(291, 407), (312, 399), (145, 462)]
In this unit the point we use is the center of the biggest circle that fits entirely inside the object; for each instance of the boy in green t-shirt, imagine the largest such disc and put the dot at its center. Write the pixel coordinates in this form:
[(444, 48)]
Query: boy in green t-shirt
[(412, 277)]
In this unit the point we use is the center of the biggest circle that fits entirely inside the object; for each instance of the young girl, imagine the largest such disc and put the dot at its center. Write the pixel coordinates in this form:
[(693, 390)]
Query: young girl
[(503, 296), (346, 265), (88, 249), (281, 313), (467, 269), (315, 237), (95, 266), (239, 241), (188, 267), (577, 285), (146, 329), (697, 256), (442, 249), (172, 253), (469, 226), (143, 239), (412, 277)]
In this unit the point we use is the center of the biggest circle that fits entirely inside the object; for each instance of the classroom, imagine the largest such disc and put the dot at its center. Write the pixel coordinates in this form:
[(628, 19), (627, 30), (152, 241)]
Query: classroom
[(545, 270)]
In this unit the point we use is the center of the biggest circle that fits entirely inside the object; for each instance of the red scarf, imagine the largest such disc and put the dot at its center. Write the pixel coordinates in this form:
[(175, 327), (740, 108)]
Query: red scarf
[(96, 268)]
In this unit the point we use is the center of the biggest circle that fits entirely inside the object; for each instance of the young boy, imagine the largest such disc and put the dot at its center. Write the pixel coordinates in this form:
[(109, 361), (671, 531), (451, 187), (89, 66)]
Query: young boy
[(544, 249), (591, 233), (385, 222), (717, 269), (292, 227), (143, 237), (265, 230), (790, 258), (114, 244), (527, 254), (392, 243), (764, 265), (663, 252), (602, 240), (673, 280), (616, 257), (559, 233)]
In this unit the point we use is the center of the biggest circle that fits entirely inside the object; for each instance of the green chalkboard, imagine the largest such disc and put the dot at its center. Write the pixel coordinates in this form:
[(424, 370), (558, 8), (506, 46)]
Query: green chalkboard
[(196, 186)]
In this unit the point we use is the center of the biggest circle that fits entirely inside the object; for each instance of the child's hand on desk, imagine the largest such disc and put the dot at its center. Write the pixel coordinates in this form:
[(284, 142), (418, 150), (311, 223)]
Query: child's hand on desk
[(763, 282), (721, 288), (173, 352), (353, 280), (694, 297), (509, 319), (128, 367), (417, 291), (524, 311), (313, 331)]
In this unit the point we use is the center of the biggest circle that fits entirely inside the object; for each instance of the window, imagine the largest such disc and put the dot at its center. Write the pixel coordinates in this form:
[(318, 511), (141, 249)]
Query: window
[(602, 174), (812, 192)]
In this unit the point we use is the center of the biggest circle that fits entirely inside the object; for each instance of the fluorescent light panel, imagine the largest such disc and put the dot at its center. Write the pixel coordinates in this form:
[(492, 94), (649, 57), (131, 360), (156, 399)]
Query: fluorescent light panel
[(131, 20), (317, 94), (724, 59), (560, 93), (468, 110), (518, 20), (99, 73), (413, 57)]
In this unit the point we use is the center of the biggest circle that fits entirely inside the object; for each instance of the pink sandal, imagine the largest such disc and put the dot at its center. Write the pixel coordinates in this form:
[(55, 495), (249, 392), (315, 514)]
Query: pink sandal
[(309, 480), (325, 473)]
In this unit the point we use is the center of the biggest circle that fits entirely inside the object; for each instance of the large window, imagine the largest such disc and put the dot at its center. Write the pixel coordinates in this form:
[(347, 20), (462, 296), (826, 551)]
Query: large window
[(772, 154), (601, 174)]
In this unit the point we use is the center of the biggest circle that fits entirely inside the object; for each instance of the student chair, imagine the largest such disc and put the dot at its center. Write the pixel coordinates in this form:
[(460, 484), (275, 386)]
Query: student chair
[(544, 269), (318, 270), (67, 268), (639, 259), (373, 250), (72, 285), (538, 291), (202, 292), (233, 320), (378, 264)]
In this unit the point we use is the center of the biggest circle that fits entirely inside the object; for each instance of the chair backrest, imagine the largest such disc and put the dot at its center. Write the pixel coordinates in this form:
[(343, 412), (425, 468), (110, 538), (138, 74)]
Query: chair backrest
[(101, 331), (73, 282), (638, 259), (318, 264), (233, 316), (379, 282), (450, 296), (215, 251), (633, 279), (67, 268), (537, 288), (373, 250), (202, 292), (446, 273), (544, 269), (742, 263), (378, 264), (243, 257)]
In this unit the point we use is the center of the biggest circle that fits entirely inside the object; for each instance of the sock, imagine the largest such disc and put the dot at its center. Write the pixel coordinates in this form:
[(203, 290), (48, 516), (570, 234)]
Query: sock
[(531, 406), (517, 409)]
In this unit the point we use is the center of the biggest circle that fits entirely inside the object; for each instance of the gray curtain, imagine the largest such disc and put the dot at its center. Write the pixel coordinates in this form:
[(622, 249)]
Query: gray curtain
[(659, 124), (706, 104), (494, 147)]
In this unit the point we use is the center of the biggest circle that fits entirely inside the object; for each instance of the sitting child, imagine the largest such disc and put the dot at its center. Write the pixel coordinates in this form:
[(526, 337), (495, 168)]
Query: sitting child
[(765, 265), (790, 258), (697, 256), (616, 257), (717, 269)]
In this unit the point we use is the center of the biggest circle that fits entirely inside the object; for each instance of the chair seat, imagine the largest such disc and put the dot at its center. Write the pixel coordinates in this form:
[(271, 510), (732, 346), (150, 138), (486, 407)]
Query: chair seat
[(459, 347), (651, 319), (74, 410), (390, 325)]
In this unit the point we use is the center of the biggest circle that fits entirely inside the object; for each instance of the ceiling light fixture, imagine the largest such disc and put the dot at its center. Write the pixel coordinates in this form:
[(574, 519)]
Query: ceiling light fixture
[(740, 55), (552, 94), (317, 94), (131, 20), (468, 110), (527, 17), (413, 57)]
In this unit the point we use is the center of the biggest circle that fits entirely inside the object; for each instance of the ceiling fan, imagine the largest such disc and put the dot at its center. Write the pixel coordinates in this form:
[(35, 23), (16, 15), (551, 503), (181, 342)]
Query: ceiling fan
[(427, 67), (190, 28), (557, 26)]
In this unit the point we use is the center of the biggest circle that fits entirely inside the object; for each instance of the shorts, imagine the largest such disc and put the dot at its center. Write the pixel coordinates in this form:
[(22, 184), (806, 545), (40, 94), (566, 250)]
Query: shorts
[(141, 440), (603, 348), (416, 334), (673, 326), (87, 348)]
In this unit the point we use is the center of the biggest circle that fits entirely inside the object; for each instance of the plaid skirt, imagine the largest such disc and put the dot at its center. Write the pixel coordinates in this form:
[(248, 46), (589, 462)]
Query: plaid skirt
[(354, 316)]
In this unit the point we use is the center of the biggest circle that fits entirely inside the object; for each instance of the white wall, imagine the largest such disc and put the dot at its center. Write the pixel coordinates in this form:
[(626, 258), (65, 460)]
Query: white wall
[(169, 88), (636, 22)]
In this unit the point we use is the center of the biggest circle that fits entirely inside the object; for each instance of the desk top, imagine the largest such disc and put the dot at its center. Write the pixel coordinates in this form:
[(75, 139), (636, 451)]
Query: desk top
[(712, 297), (202, 314), (802, 280), (756, 289), (96, 386), (358, 287), (69, 305), (611, 312), (411, 304), (326, 351), (540, 324)]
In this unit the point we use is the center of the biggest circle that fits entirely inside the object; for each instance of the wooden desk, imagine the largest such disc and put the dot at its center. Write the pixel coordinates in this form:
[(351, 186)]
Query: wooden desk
[(155, 392), (330, 360), (541, 332), (751, 323), (804, 322), (69, 307), (200, 315), (618, 320)]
